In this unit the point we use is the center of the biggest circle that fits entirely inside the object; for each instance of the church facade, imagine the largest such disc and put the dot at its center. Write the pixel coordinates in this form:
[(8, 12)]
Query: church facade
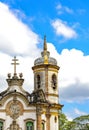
[(39, 110)]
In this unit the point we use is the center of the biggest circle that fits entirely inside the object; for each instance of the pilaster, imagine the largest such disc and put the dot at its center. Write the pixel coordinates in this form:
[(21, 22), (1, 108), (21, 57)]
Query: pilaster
[(48, 115), (38, 116)]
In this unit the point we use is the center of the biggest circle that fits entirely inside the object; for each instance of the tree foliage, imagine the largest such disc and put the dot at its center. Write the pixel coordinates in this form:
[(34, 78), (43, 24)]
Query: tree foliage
[(79, 123)]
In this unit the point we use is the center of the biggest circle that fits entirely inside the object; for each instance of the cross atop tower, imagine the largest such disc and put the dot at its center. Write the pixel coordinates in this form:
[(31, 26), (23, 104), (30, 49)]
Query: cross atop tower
[(15, 63)]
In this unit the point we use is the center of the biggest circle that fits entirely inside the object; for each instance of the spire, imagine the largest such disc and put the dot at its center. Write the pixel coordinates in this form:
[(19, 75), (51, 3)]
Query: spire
[(46, 53), (45, 44)]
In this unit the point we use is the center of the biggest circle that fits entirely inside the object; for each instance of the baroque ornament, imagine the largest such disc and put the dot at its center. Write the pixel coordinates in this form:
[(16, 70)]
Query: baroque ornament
[(14, 108)]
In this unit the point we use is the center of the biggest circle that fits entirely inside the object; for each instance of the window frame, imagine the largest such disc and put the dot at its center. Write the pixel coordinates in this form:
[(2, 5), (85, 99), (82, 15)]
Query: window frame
[(54, 81), (2, 121), (38, 81), (43, 124), (29, 121)]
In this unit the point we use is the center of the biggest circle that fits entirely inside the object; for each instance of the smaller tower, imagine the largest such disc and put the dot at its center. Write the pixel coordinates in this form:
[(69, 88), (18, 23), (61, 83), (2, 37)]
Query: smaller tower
[(46, 75)]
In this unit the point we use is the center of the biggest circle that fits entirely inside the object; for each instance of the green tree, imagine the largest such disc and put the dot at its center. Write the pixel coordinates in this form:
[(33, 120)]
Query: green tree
[(79, 123), (62, 121)]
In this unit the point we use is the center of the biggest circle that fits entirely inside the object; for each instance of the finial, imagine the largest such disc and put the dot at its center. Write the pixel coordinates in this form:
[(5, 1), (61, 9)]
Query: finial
[(45, 54), (9, 75), (20, 75), (45, 45), (15, 63)]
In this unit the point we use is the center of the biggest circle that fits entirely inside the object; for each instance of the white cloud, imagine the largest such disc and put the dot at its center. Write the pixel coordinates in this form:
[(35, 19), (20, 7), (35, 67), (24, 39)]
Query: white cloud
[(59, 9), (79, 113), (74, 65), (15, 37), (62, 29), (74, 75), (74, 112), (68, 10), (62, 9)]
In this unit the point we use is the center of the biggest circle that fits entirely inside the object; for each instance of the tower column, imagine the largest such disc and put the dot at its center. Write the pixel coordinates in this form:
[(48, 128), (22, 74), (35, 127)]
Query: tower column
[(48, 115), (46, 81), (38, 116)]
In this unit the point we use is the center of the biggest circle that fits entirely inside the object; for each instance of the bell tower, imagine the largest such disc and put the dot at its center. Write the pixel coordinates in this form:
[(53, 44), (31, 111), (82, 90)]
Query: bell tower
[(46, 75)]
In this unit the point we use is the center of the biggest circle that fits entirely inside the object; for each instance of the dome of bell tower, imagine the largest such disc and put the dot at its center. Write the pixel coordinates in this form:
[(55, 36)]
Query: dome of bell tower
[(45, 56)]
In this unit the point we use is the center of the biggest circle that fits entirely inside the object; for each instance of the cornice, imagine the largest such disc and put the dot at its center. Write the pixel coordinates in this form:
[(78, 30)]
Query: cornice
[(45, 66), (12, 94)]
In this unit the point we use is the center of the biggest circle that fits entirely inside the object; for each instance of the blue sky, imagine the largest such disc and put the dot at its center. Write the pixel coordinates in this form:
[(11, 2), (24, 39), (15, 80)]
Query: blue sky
[(23, 24)]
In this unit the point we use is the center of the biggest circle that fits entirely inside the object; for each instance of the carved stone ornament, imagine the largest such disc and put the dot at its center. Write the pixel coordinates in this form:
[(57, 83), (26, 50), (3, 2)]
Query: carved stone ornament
[(14, 126), (14, 108)]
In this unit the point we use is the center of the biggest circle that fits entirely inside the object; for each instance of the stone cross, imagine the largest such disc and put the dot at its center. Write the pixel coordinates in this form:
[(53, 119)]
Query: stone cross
[(15, 63)]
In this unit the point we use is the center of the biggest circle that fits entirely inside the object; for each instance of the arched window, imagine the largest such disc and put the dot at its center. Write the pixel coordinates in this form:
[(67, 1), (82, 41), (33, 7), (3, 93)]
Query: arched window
[(54, 81), (38, 81), (1, 125), (43, 126), (29, 125)]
